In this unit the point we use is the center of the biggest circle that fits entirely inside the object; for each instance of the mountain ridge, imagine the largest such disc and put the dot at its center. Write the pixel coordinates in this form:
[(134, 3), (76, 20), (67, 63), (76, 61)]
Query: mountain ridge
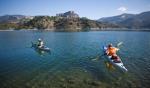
[(71, 21), (141, 20)]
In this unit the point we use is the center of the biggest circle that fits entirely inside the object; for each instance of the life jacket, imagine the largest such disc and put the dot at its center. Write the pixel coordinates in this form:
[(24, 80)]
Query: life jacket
[(40, 43), (112, 51)]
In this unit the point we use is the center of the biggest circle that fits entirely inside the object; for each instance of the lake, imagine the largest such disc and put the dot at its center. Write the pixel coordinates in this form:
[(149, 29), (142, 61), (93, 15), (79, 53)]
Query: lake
[(71, 62)]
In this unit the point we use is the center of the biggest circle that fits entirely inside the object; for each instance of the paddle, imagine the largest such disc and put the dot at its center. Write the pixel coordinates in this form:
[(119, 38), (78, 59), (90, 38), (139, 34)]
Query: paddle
[(120, 43), (31, 46), (97, 57)]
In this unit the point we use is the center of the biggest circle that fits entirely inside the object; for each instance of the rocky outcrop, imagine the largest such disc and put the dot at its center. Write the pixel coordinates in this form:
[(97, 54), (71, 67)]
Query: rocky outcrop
[(69, 14), (41, 22)]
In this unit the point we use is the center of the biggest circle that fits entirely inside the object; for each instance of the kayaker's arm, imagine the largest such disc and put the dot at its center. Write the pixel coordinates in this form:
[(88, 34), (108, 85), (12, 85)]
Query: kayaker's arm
[(107, 52), (117, 49)]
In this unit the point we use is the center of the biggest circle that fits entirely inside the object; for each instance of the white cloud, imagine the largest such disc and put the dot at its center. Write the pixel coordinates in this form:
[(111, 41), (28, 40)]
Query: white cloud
[(122, 8)]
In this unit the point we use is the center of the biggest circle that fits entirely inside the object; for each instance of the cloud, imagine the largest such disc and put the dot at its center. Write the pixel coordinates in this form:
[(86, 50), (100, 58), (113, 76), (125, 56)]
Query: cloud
[(122, 8)]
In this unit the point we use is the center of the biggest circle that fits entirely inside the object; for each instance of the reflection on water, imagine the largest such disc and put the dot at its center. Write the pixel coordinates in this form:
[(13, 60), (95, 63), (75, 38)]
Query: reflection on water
[(41, 52), (109, 66)]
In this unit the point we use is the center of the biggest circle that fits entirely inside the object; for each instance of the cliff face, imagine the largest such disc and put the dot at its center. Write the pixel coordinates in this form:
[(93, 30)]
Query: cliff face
[(41, 22), (64, 23)]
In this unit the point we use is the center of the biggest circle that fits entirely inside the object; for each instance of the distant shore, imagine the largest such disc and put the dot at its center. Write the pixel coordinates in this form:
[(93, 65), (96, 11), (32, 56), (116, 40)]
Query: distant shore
[(124, 29), (92, 29), (7, 30)]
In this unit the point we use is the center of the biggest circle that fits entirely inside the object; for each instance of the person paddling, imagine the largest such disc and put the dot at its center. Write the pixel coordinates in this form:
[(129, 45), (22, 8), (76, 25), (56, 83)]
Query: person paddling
[(111, 51), (40, 43)]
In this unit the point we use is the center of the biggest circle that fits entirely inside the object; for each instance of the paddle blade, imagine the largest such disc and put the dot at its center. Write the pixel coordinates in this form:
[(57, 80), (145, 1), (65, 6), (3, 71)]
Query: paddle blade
[(120, 43)]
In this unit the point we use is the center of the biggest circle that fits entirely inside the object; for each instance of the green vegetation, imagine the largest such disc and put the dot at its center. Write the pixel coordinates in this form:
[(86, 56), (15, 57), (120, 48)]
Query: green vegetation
[(4, 26), (41, 22), (57, 23)]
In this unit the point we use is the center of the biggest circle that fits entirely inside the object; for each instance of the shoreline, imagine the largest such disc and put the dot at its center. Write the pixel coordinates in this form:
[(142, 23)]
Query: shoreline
[(7, 30), (104, 29)]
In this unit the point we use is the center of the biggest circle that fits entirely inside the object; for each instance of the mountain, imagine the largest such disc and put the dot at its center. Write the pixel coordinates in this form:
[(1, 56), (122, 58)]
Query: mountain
[(116, 19), (141, 20), (11, 18), (136, 21)]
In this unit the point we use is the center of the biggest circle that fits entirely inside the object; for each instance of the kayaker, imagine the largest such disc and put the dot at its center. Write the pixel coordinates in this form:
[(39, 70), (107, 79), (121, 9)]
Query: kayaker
[(111, 51), (40, 43)]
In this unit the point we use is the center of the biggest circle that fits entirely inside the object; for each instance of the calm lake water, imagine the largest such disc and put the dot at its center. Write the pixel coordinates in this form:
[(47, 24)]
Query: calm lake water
[(71, 63)]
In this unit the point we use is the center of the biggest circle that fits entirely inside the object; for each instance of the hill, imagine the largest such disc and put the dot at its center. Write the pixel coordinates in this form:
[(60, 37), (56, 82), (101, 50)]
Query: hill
[(68, 21), (137, 21)]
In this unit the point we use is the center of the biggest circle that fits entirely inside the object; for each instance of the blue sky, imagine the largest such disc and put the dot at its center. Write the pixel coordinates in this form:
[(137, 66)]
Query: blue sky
[(93, 9)]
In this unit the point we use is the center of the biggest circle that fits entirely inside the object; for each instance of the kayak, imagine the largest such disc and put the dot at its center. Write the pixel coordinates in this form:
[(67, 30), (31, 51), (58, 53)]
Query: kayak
[(40, 48), (113, 62)]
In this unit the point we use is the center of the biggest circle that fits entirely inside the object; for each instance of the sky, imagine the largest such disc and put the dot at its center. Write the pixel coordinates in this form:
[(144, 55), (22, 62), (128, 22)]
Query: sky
[(92, 9)]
